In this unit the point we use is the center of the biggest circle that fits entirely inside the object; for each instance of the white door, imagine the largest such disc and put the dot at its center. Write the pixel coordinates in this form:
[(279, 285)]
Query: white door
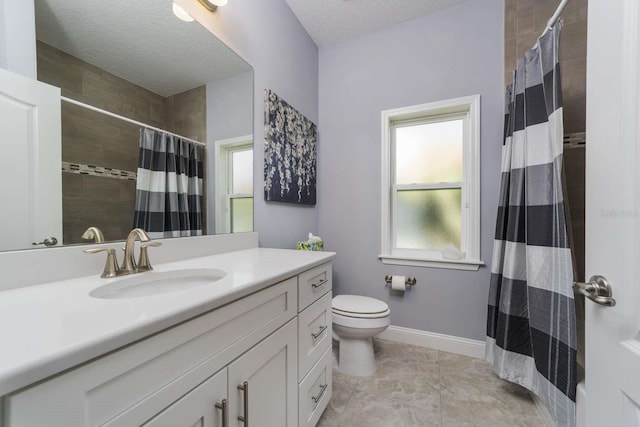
[(263, 386), (613, 212), (30, 162)]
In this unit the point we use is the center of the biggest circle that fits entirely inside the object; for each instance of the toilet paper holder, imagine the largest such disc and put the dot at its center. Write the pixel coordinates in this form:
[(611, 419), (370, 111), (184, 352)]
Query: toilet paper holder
[(409, 281)]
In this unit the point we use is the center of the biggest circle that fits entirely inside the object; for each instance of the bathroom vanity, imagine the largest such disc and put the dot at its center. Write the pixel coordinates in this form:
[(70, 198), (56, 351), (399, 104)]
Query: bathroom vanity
[(252, 348)]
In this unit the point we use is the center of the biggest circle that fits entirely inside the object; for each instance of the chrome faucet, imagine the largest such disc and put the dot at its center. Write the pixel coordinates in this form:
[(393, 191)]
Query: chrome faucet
[(129, 263)]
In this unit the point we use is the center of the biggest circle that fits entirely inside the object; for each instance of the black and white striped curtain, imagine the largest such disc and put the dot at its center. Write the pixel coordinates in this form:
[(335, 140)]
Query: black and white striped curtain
[(169, 185), (531, 327)]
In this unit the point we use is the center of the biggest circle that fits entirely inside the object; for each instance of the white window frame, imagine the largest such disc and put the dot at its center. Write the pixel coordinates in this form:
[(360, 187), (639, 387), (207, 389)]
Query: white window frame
[(224, 176), (467, 108)]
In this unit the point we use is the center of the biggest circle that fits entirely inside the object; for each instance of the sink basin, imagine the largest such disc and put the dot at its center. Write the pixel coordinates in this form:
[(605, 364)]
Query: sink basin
[(157, 283)]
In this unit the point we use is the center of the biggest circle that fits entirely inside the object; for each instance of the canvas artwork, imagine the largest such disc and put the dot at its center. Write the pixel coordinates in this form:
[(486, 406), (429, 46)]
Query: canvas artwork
[(289, 153)]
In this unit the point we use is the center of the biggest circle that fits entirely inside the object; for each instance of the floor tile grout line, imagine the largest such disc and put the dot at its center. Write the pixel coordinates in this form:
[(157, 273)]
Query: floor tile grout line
[(353, 390), (440, 387)]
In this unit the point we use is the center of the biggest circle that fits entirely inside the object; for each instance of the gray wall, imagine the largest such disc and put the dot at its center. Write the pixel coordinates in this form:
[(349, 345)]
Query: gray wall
[(229, 115), (230, 107), (455, 52), (269, 37), (17, 37)]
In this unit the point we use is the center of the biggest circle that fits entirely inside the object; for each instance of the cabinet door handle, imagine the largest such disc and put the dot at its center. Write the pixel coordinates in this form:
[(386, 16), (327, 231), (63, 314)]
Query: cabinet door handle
[(317, 398), (320, 283), (225, 412), (317, 334), (245, 418)]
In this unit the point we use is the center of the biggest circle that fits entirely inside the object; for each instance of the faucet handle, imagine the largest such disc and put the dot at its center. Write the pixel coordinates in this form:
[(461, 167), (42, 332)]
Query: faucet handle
[(143, 261), (111, 265)]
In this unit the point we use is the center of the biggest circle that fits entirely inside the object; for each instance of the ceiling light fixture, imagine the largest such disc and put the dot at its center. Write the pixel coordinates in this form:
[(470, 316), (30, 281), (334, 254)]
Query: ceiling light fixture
[(212, 5), (181, 13)]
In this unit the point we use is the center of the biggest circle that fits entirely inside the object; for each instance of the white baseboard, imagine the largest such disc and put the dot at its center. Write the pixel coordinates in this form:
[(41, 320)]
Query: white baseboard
[(448, 343)]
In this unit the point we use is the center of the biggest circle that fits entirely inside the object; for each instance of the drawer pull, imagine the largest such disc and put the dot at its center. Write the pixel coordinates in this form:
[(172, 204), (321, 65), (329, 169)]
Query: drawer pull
[(225, 412), (317, 334), (320, 283), (317, 398), (245, 418)]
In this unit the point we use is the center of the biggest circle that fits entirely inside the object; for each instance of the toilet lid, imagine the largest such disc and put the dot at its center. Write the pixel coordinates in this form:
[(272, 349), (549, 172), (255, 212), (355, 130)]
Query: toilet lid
[(357, 304)]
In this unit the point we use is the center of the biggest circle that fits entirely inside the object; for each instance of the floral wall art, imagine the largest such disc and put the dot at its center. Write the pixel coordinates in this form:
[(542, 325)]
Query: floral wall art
[(289, 153)]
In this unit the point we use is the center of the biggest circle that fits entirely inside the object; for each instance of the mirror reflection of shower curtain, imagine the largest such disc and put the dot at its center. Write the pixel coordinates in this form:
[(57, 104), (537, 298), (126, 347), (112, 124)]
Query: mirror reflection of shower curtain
[(531, 324), (169, 185)]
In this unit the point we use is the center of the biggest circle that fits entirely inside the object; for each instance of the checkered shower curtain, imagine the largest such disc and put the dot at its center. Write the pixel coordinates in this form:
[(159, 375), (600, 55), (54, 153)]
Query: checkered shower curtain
[(531, 327), (169, 185)]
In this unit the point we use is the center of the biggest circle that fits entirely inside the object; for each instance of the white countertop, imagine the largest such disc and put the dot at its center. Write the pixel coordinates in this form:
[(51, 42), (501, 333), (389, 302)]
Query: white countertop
[(48, 328)]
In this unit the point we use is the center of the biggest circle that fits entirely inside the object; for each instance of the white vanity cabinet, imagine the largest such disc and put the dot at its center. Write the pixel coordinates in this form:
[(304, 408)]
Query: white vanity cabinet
[(256, 382), (195, 408), (238, 361), (314, 344)]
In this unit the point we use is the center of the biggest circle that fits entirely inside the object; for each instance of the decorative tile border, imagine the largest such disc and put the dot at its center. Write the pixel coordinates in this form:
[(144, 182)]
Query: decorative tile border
[(575, 139), (80, 169)]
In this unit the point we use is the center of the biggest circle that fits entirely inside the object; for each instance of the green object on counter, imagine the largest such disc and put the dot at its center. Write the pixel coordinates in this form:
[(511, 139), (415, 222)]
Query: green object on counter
[(311, 246)]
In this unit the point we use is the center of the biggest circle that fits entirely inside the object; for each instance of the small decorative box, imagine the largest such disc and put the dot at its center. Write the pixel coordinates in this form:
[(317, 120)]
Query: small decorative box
[(311, 246)]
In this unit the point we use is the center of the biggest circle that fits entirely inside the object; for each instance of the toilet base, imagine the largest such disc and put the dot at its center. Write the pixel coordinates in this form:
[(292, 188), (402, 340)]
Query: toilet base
[(356, 357)]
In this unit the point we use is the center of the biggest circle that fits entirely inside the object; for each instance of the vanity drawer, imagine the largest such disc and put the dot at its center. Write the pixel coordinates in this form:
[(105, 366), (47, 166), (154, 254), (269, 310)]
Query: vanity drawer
[(312, 284), (144, 378), (315, 391), (314, 333)]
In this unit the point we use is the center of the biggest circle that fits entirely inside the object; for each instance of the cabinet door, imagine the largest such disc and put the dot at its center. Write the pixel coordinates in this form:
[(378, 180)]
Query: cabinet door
[(270, 372), (198, 407)]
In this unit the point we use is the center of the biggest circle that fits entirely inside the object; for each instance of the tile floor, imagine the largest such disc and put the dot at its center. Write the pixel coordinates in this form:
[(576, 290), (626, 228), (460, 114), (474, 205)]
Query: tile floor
[(420, 387)]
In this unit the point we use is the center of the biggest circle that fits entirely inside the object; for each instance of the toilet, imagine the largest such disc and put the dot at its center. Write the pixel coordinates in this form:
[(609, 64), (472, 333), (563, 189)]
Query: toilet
[(356, 320)]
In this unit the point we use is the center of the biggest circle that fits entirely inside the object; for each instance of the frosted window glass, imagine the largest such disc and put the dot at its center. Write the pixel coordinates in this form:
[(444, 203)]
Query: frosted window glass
[(430, 152), (241, 214), (428, 219), (242, 172)]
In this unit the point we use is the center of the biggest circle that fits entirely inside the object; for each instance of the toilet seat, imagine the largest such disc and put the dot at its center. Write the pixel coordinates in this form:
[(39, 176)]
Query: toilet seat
[(360, 322), (360, 307)]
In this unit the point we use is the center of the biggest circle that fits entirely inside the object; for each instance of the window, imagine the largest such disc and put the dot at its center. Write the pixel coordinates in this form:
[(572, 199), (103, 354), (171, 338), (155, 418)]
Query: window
[(431, 184), (234, 185)]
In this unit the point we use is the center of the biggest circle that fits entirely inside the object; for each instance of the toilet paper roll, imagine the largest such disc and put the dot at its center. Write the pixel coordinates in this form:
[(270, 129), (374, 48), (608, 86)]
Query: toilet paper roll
[(398, 283)]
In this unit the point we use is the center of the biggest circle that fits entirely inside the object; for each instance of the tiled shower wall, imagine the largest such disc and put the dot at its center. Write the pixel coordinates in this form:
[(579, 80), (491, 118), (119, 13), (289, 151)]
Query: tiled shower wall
[(94, 139), (524, 22), (185, 114)]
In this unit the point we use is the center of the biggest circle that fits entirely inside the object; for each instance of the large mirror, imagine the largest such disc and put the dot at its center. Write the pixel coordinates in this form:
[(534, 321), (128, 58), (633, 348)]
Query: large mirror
[(156, 122)]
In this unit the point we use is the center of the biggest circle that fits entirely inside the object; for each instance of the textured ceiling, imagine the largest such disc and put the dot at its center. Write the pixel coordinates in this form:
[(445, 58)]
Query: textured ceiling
[(331, 21), (138, 40)]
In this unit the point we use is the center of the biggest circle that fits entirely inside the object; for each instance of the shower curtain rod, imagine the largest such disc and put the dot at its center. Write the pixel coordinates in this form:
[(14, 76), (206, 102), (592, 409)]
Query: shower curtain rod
[(554, 18), (126, 119)]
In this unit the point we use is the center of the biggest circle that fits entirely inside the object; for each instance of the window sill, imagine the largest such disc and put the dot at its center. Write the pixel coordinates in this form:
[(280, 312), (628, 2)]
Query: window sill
[(451, 264)]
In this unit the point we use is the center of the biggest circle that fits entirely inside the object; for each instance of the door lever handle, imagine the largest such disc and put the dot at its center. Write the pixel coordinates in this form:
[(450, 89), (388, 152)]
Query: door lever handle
[(48, 242), (597, 289)]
